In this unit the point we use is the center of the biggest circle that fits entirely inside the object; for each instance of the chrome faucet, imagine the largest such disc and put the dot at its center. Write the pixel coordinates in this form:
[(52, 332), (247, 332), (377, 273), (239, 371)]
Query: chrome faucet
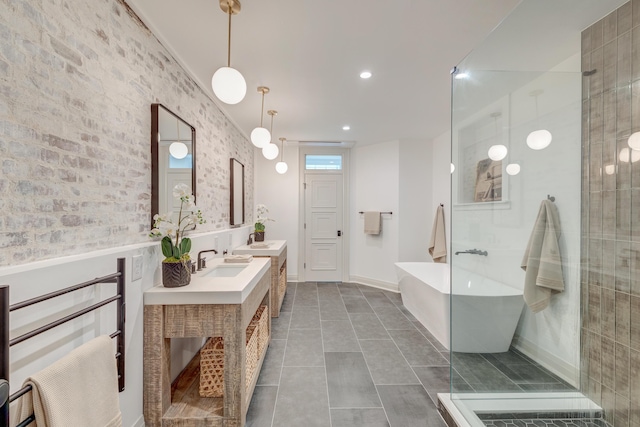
[(473, 252), (249, 240), (202, 262)]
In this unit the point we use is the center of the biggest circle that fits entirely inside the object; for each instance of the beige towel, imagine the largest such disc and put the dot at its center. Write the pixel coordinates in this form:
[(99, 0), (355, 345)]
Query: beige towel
[(372, 222), (542, 259), (438, 243), (79, 390)]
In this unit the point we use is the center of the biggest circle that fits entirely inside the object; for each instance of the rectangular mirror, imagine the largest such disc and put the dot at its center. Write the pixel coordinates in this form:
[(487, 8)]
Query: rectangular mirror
[(237, 193), (173, 159)]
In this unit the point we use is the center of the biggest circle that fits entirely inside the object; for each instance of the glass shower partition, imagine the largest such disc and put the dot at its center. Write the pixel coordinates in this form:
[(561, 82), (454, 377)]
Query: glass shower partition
[(516, 155)]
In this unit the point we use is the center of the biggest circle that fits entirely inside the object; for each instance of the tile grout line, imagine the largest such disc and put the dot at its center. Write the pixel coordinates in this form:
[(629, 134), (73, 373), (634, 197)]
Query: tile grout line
[(326, 377), (365, 359), (284, 355)]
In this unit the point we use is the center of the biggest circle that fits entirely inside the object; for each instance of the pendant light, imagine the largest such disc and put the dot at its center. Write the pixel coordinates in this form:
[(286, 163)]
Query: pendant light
[(270, 151), (541, 138), (227, 83), (260, 136), (178, 149), (281, 166), (497, 151)]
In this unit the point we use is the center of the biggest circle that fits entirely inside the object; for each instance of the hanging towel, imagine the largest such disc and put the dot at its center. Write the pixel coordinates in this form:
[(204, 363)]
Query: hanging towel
[(438, 243), (542, 260), (79, 390), (372, 222)]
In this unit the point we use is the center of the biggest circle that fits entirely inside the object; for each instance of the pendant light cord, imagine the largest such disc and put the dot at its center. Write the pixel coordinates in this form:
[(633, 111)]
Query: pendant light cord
[(262, 110), (282, 151), (229, 38), (271, 129), (178, 129)]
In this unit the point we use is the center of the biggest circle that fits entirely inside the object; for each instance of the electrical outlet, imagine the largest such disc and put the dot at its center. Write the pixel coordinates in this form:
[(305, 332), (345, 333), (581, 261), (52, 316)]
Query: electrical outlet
[(136, 268), (215, 243)]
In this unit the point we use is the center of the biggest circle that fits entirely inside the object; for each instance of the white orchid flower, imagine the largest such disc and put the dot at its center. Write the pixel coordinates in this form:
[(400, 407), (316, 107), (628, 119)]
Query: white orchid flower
[(181, 190)]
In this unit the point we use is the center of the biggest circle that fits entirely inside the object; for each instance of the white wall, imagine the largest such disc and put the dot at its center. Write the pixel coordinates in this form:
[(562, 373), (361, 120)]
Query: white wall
[(375, 183), (416, 208), (281, 194), (34, 279)]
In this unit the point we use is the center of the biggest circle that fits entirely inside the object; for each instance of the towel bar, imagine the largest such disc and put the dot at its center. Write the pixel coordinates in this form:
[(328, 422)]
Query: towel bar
[(386, 213)]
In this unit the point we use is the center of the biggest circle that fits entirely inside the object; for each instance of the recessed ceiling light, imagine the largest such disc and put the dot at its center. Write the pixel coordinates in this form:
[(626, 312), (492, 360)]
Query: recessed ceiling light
[(365, 74), (346, 127)]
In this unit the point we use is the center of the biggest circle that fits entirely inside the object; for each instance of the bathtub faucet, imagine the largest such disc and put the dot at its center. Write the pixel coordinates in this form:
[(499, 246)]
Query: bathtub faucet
[(473, 252)]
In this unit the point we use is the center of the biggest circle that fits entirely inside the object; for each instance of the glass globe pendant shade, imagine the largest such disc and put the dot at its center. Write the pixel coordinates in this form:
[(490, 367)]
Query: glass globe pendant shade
[(634, 141), (270, 152), (281, 167), (229, 85), (497, 152), (627, 155), (513, 169), (539, 139), (260, 137), (178, 150)]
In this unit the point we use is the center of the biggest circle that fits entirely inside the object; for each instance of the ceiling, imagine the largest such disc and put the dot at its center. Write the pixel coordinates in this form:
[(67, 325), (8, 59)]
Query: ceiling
[(310, 54)]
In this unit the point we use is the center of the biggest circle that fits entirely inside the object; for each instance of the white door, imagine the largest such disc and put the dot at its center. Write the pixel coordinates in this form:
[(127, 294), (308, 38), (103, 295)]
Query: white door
[(323, 227)]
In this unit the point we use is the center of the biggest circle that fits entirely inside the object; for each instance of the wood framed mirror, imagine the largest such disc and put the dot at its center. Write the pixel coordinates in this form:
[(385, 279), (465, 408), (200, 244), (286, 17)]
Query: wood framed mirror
[(173, 159), (236, 217)]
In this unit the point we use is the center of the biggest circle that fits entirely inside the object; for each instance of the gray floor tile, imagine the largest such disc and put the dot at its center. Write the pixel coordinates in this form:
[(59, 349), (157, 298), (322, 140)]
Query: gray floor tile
[(338, 335), (272, 366), (368, 327), (392, 318), (386, 363), (428, 335), (289, 296), (304, 348), (305, 317), (349, 289), (349, 382), (333, 309), (302, 399), (436, 379), (407, 313), (280, 325), (356, 304), (409, 406), (395, 297), (306, 295), (263, 402), (417, 349), (370, 417), (377, 299)]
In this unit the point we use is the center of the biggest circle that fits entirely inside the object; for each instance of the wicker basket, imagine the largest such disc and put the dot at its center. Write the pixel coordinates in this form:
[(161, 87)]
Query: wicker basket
[(212, 355), (282, 286)]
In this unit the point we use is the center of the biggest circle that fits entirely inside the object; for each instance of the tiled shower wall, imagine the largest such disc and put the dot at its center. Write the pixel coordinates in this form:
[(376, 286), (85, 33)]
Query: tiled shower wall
[(611, 215), (77, 78)]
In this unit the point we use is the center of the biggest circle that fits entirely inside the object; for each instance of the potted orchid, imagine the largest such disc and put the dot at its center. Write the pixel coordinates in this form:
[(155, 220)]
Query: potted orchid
[(258, 227), (176, 266)]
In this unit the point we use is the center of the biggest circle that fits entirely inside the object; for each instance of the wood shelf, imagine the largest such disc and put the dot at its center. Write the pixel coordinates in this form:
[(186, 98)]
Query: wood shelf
[(179, 404)]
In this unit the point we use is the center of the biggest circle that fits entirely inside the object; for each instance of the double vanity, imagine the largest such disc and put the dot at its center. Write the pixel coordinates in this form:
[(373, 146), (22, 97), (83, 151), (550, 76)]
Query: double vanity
[(220, 301)]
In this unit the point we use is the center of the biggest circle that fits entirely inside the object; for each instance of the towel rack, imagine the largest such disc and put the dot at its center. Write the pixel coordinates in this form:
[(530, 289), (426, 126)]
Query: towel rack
[(386, 213), (118, 278)]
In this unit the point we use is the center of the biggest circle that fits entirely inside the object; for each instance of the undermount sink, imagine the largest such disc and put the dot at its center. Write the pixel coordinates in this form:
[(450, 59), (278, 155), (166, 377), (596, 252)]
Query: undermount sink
[(224, 270)]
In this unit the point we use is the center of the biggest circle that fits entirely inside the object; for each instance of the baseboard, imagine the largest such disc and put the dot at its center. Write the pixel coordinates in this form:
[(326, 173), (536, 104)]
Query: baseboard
[(379, 284), (553, 363), (292, 278), (139, 422)]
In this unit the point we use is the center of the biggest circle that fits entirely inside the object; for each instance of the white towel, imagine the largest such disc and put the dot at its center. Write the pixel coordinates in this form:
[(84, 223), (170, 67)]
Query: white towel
[(542, 259), (238, 258), (79, 390), (438, 242), (372, 222)]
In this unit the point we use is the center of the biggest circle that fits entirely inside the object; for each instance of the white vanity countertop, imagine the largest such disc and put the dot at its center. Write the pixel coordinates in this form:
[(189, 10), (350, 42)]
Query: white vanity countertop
[(212, 290), (275, 248)]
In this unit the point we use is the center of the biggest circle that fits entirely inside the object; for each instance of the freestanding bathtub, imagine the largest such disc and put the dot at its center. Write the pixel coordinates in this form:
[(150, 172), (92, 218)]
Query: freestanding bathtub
[(483, 314)]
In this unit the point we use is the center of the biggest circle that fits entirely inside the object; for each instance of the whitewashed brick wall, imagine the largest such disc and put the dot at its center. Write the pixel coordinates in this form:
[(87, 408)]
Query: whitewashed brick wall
[(77, 78)]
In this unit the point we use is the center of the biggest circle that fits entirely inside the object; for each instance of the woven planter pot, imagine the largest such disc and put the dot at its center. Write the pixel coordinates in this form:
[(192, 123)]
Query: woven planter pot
[(259, 235), (176, 274)]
